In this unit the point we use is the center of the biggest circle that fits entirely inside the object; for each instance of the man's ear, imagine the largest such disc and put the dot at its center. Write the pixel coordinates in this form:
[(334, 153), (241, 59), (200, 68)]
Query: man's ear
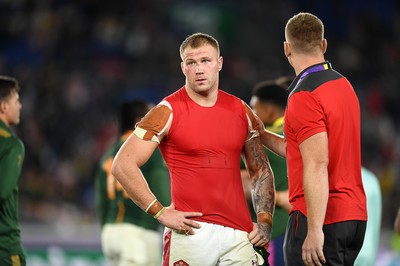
[(324, 45), (220, 61), (183, 68), (3, 106), (287, 49)]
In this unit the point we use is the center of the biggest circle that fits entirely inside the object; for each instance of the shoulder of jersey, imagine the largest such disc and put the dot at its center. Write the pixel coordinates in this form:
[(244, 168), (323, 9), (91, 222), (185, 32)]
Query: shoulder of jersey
[(4, 133)]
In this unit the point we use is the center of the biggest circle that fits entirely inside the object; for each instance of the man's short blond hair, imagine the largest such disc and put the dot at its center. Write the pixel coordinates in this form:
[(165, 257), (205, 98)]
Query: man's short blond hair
[(198, 39), (305, 33)]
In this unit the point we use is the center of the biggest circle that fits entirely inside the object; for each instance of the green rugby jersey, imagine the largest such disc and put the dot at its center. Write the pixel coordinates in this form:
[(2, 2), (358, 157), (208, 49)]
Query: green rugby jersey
[(112, 202), (12, 153)]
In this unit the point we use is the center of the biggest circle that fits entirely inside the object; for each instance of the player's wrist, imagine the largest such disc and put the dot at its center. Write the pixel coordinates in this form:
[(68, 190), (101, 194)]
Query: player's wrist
[(264, 217), (155, 209), (158, 214)]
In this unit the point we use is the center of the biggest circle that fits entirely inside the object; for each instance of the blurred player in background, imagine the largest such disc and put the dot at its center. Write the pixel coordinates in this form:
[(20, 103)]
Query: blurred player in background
[(12, 153), (369, 250), (130, 236)]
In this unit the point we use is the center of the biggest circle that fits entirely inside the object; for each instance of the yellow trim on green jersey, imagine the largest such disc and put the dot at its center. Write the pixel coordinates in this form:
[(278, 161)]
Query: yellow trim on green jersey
[(277, 125), (4, 133)]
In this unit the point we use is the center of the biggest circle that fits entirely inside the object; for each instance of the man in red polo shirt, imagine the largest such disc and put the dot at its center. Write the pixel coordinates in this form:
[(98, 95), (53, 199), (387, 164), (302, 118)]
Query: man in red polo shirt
[(322, 148)]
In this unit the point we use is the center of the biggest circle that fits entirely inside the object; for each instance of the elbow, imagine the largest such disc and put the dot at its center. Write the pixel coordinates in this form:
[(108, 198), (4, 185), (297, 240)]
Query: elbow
[(321, 162), (324, 163), (116, 169), (322, 168)]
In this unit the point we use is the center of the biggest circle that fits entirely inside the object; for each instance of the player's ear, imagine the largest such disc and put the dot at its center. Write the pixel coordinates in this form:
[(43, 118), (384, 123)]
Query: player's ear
[(220, 61), (287, 49), (2, 106), (183, 68), (324, 45)]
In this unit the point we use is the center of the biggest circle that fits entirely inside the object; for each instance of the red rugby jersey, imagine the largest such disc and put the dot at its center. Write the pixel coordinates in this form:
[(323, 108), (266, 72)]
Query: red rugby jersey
[(202, 151), (326, 102)]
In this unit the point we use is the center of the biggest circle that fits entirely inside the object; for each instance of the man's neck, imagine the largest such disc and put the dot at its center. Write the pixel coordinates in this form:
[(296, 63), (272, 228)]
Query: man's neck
[(206, 99), (2, 119), (301, 62)]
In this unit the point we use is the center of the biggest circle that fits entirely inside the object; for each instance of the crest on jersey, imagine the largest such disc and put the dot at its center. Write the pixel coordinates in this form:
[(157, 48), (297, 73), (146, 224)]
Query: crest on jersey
[(181, 263)]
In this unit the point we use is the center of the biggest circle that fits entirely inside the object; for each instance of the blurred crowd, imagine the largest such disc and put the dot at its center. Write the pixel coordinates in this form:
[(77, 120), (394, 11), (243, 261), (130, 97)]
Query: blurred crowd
[(77, 60)]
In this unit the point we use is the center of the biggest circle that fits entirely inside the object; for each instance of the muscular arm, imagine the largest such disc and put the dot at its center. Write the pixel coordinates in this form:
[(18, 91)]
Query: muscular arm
[(126, 170), (274, 142), (262, 179), (136, 151), (314, 153), (262, 189)]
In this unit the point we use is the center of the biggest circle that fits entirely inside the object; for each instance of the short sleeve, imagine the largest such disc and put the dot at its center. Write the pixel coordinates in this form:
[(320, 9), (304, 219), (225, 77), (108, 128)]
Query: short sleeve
[(154, 122), (252, 122), (306, 115)]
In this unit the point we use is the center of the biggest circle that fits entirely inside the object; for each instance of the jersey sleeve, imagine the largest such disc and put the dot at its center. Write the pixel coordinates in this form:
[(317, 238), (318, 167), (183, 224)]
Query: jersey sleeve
[(155, 122), (252, 122), (306, 114)]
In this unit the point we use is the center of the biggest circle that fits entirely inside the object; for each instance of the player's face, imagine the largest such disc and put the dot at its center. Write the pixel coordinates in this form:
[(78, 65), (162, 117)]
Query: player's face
[(11, 108), (201, 68)]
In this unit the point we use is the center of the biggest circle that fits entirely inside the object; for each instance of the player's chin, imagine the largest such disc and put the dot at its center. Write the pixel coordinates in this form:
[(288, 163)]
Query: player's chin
[(201, 86), (15, 121)]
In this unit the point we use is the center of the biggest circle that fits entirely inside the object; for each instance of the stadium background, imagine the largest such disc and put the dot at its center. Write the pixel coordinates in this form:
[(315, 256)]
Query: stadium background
[(76, 60)]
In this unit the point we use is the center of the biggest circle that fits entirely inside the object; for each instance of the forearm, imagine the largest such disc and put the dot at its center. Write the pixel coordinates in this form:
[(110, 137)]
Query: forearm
[(134, 183), (261, 176), (263, 192), (125, 169), (274, 142), (263, 197), (316, 192)]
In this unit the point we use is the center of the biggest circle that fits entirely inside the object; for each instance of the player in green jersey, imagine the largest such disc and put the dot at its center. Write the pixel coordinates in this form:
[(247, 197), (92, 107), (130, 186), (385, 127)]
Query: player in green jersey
[(129, 235), (12, 154)]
